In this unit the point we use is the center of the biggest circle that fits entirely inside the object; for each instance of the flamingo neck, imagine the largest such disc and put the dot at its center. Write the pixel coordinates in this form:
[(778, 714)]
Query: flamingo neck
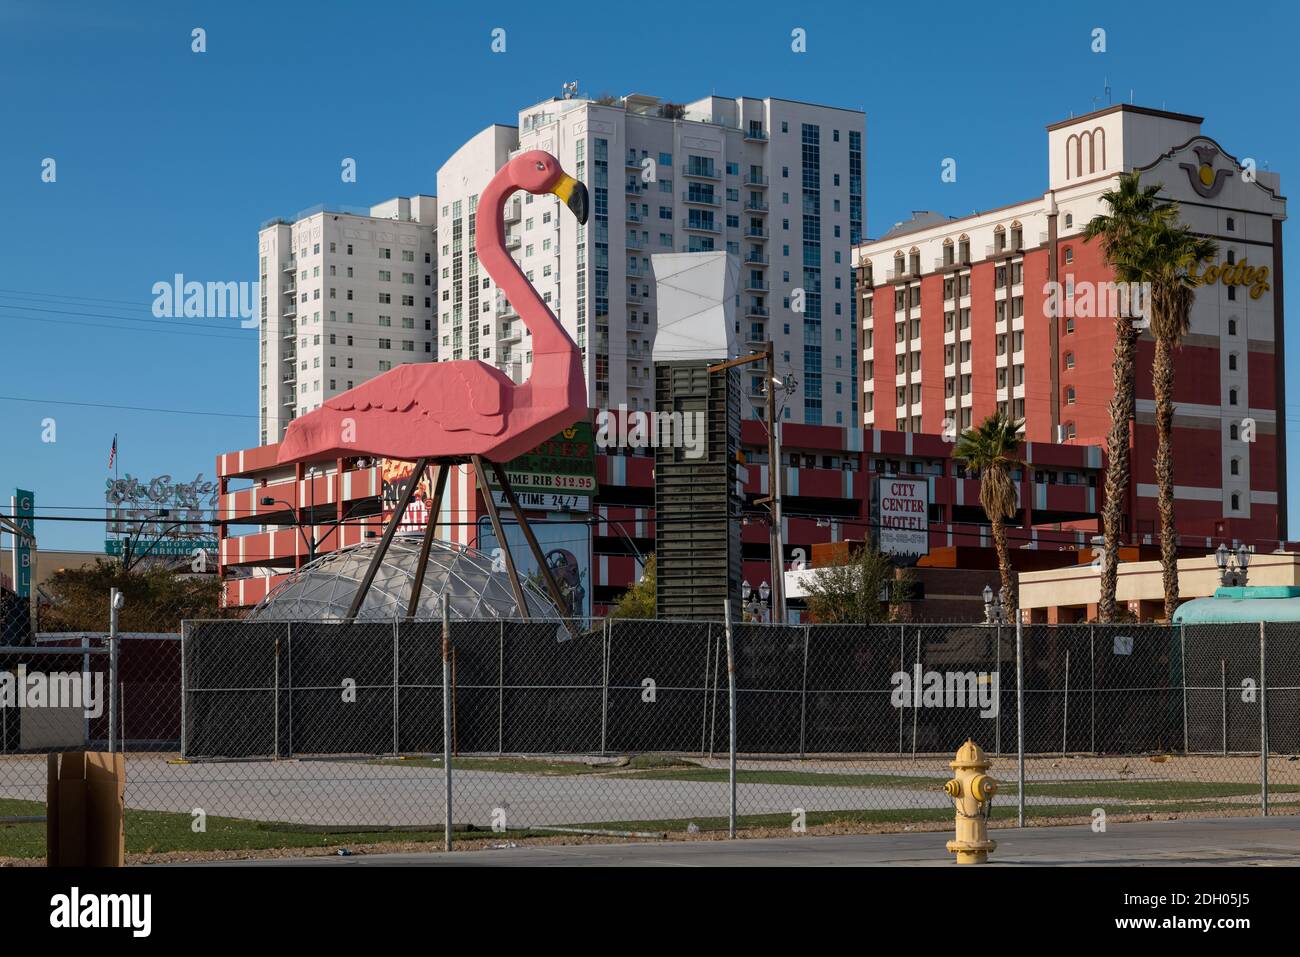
[(549, 337)]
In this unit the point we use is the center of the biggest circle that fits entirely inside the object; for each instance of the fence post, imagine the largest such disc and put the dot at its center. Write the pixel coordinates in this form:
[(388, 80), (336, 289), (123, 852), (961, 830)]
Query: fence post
[(1182, 667), (185, 627), (803, 696), (501, 687), (997, 722), (902, 666), (1092, 689), (1223, 709), (1065, 715), (916, 693), (275, 697), (731, 694), (446, 718), (1263, 721), (607, 630), (396, 703), (1020, 725), (288, 723), (114, 603), (708, 670)]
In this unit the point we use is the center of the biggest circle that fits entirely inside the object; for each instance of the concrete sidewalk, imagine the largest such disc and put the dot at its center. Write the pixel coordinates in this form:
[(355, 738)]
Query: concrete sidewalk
[(1228, 841)]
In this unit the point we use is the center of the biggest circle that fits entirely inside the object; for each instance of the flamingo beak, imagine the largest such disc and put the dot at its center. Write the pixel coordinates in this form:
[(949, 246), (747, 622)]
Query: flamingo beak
[(573, 194)]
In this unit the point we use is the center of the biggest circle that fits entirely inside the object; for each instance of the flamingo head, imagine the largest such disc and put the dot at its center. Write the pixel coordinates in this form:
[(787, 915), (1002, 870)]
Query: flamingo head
[(537, 171)]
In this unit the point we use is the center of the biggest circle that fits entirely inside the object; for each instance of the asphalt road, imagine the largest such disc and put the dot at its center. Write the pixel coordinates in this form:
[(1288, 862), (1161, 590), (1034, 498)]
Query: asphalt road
[(1221, 842)]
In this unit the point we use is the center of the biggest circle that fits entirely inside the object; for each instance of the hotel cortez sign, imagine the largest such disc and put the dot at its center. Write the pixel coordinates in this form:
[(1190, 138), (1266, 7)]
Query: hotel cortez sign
[(903, 517), (1234, 274)]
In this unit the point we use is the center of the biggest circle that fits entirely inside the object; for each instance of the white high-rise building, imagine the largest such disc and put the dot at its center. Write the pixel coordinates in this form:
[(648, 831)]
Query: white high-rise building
[(777, 183), (345, 295)]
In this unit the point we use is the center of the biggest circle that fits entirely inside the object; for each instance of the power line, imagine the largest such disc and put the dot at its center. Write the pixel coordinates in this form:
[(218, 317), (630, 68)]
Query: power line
[(127, 408)]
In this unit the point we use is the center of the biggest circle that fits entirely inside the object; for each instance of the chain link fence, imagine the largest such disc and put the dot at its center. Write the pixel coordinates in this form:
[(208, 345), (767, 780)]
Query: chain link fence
[(257, 734)]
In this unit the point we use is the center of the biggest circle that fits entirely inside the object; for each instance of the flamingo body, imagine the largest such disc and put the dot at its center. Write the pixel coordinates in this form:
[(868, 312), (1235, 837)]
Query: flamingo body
[(446, 410)]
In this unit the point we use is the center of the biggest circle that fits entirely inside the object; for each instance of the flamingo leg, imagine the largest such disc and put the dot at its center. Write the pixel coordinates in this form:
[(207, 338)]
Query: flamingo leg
[(440, 485), (391, 530), (552, 586), (480, 475)]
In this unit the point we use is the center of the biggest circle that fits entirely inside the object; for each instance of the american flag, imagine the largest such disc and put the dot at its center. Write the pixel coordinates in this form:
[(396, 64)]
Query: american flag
[(112, 454)]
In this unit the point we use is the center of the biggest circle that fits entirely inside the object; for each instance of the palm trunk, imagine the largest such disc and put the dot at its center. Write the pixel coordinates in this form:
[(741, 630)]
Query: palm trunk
[(1004, 566), (1117, 464), (1162, 375)]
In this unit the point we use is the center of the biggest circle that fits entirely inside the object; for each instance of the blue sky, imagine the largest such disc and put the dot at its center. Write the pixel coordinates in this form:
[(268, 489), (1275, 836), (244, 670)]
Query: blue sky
[(168, 160)]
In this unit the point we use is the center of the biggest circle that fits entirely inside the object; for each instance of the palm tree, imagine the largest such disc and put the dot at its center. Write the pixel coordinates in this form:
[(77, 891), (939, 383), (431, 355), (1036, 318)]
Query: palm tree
[(1166, 256), (992, 449), (1132, 210)]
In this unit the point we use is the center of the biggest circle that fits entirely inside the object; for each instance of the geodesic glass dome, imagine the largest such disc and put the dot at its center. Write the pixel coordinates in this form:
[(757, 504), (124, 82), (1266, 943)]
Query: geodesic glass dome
[(323, 590)]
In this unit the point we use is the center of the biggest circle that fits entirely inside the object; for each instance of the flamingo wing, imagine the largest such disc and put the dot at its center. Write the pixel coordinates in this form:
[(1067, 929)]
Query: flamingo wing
[(458, 396)]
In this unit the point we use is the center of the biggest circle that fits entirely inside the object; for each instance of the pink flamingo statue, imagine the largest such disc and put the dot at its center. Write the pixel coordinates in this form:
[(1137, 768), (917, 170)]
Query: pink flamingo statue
[(453, 412)]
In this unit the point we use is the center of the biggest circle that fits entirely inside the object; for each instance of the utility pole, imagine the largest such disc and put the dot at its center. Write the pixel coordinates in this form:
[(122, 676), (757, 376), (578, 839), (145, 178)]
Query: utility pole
[(773, 497), (774, 473)]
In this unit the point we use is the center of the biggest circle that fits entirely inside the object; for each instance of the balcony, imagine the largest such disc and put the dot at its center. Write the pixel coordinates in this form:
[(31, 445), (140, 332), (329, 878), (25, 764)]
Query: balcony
[(290, 331), (757, 285), (752, 179), (634, 188), (632, 163), (512, 240), (758, 312), (289, 290), (755, 232), (756, 134), (291, 401), (513, 210), (756, 207), (700, 225), (504, 309), (635, 242), (701, 198), (290, 310), (290, 266), (633, 214), (957, 262), (755, 259), (702, 172)]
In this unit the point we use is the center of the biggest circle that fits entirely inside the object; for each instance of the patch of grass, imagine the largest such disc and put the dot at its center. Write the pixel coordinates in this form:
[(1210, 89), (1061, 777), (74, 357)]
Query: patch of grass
[(1101, 788), (164, 831), (1149, 790), (808, 778), (161, 831), (545, 768)]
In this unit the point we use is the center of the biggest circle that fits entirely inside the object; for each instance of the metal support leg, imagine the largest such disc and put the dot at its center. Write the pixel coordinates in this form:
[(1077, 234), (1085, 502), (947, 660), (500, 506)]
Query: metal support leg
[(552, 586), (407, 494), (440, 486), (480, 474)]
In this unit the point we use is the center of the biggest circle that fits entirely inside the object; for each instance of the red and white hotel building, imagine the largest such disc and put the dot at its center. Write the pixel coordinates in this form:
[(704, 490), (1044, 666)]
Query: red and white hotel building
[(954, 325), (827, 480)]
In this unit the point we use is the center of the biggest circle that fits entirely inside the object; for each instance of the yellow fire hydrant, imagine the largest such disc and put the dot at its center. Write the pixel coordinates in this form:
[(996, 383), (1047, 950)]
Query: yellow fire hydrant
[(972, 792)]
